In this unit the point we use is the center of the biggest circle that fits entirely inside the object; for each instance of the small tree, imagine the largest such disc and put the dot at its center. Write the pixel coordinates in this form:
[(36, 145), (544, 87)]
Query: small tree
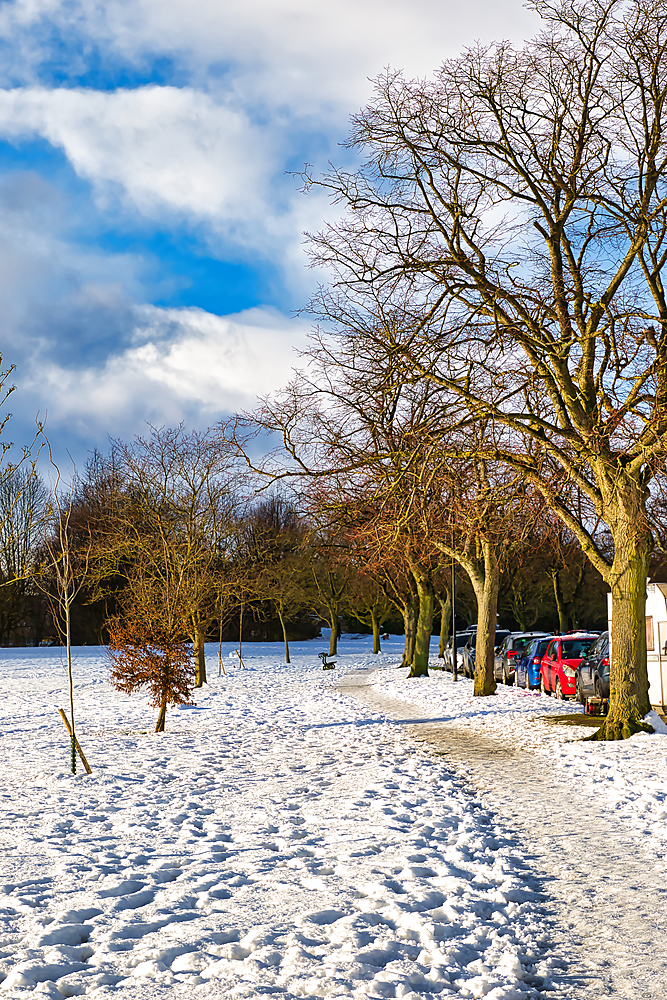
[(62, 572), (330, 575), (274, 550), (367, 602), (148, 648)]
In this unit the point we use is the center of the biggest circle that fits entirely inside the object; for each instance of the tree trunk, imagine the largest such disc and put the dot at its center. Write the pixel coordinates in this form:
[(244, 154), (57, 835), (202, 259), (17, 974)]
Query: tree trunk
[(628, 679), (572, 606), (485, 578), (70, 680), (282, 625), (162, 717), (424, 625), (241, 636), (200, 658), (409, 627), (376, 631), (560, 607), (445, 613), (333, 640)]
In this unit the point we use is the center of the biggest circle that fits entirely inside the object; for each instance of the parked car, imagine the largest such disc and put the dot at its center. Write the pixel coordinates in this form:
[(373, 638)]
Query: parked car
[(527, 669), (511, 650), (559, 663), (592, 674), (470, 646), (461, 639)]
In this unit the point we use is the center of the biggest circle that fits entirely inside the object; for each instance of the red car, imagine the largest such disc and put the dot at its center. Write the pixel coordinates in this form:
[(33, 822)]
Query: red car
[(559, 663)]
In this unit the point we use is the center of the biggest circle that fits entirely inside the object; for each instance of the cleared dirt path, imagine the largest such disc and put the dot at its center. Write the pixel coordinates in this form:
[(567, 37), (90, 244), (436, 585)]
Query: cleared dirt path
[(609, 893)]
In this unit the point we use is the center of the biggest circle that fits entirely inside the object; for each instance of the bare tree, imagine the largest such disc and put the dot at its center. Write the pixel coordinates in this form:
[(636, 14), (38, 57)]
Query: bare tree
[(276, 553), (23, 504), (365, 600), (173, 516), (330, 577), (62, 572), (515, 207)]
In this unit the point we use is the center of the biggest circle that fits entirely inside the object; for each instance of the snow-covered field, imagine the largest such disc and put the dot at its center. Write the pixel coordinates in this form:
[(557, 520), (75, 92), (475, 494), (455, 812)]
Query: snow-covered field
[(629, 777), (278, 839)]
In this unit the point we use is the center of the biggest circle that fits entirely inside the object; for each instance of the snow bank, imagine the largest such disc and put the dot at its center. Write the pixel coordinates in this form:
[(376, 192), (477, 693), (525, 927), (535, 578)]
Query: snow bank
[(277, 839)]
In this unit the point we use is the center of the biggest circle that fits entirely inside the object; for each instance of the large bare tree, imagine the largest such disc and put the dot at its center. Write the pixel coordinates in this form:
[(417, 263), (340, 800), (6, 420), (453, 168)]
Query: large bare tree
[(514, 206), (173, 518)]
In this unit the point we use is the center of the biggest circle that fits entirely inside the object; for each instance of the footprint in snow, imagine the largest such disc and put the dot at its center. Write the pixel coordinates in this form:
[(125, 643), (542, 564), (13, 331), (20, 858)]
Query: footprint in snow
[(135, 900), (122, 889)]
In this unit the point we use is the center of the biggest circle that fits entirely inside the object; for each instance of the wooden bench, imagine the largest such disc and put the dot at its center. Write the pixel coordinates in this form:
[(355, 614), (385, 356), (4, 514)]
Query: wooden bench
[(326, 663)]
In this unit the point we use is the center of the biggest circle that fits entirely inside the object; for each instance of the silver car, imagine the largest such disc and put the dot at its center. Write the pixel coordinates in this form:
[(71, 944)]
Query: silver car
[(470, 647), (511, 650)]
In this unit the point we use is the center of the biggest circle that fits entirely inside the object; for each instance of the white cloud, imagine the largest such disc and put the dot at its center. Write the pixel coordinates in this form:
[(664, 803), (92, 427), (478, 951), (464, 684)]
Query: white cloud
[(255, 87), (269, 84), (184, 364), (166, 148), (299, 53), (173, 155)]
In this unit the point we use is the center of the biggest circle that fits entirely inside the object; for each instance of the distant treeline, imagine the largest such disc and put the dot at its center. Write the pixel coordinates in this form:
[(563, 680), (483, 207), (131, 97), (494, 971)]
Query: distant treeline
[(172, 524)]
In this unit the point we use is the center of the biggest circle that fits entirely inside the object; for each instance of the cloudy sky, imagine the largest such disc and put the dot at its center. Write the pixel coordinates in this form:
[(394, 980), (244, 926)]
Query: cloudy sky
[(151, 249)]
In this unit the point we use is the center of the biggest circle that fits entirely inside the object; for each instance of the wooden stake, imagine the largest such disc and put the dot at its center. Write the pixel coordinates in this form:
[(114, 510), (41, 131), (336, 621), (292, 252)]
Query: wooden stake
[(222, 666), (67, 726), (238, 653)]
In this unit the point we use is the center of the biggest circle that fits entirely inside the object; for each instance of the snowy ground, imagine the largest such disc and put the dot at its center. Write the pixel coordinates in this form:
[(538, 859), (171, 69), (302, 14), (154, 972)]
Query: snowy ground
[(278, 840), (629, 777)]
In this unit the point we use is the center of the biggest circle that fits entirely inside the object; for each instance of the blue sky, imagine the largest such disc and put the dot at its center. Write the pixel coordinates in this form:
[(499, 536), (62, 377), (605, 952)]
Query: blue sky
[(151, 248)]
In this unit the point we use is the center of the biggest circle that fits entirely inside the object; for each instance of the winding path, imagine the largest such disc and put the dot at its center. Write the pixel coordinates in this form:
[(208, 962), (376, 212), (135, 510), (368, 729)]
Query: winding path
[(608, 890)]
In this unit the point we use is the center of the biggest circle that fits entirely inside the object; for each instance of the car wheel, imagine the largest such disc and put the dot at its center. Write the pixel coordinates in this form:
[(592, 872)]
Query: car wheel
[(578, 695), (559, 691), (543, 688)]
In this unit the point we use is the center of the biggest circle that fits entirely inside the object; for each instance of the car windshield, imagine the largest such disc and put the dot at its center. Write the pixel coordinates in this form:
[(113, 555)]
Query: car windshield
[(541, 647), (573, 648), (522, 642)]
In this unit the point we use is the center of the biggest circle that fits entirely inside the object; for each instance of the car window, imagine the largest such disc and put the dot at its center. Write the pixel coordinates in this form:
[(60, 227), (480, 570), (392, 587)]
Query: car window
[(522, 642), (541, 647), (553, 648), (572, 648), (596, 647)]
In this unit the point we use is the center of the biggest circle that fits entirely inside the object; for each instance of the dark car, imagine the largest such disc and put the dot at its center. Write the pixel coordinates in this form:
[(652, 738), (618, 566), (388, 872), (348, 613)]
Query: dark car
[(592, 674), (470, 646), (511, 650), (461, 639), (527, 669)]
